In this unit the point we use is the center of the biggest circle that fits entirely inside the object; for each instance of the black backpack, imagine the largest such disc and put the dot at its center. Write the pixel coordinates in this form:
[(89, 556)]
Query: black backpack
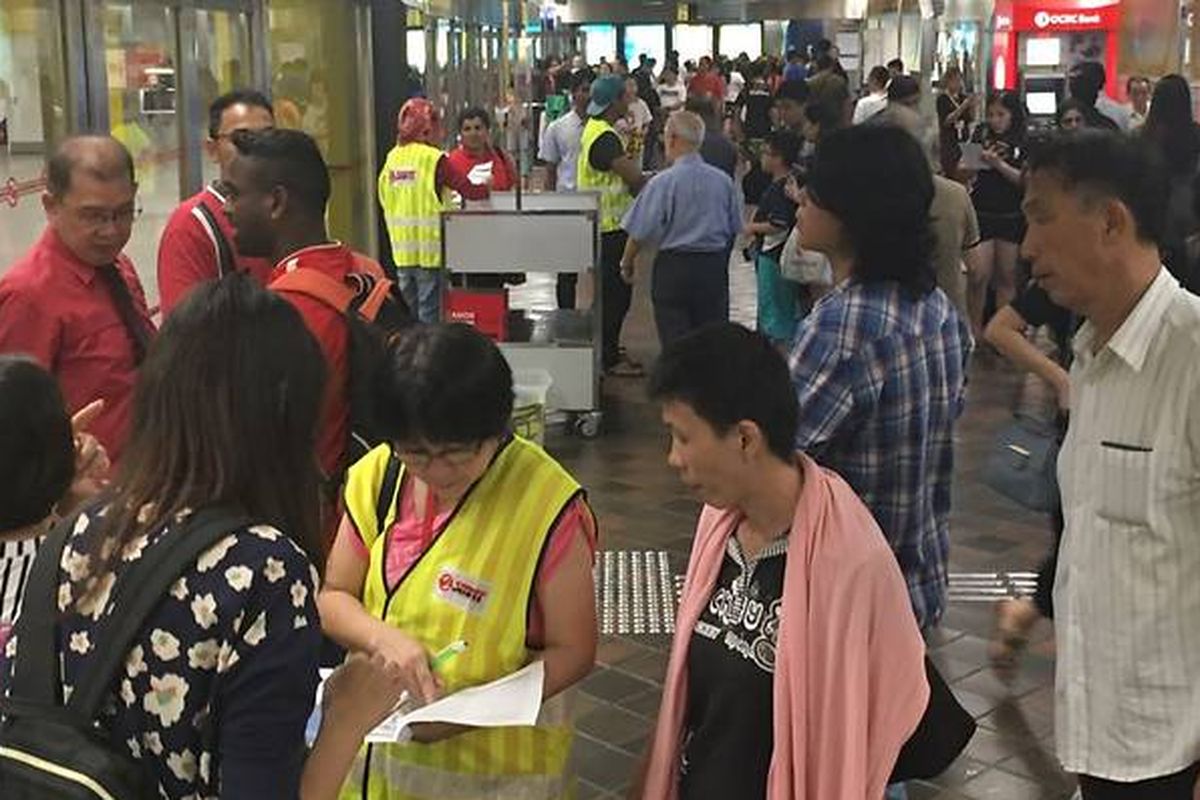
[(375, 312), (52, 750)]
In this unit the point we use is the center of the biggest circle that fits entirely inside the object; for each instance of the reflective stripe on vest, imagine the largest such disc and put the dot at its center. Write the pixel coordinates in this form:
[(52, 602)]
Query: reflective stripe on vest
[(615, 197), (469, 584), (411, 206)]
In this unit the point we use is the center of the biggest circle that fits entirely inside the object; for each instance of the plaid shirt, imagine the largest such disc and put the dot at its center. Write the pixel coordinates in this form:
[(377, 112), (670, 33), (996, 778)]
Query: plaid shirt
[(880, 377)]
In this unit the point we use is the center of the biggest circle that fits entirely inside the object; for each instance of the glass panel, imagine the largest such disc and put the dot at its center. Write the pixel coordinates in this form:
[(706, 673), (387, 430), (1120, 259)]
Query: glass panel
[(415, 48), (223, 63), (140, 58), (738, 39), (310, 42), (693, 42), (601, 42), (648, 39), (33, 103)]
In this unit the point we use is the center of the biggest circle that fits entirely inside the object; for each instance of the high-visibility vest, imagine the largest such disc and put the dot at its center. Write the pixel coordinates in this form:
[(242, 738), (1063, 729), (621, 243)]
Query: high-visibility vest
[(411, 206), (473, 584), (615, 197)]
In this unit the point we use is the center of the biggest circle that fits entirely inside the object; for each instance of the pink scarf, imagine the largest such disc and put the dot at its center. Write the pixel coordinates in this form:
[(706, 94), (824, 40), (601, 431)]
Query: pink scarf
[(849, 683)]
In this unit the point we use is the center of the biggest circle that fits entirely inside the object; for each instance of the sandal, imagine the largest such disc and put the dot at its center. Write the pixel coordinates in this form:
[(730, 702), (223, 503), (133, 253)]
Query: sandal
[(1011, 637)]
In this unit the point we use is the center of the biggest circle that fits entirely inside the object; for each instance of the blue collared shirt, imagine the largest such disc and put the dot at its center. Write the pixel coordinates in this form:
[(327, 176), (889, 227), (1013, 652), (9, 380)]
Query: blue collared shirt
[(880, 377), (691, 206)]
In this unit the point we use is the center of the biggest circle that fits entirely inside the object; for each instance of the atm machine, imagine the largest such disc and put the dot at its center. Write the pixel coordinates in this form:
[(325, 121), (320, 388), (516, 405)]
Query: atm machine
[(1038, 41)]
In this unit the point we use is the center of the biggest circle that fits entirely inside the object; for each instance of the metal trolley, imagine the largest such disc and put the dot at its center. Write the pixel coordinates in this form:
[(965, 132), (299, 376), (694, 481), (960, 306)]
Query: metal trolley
[(541, 233)]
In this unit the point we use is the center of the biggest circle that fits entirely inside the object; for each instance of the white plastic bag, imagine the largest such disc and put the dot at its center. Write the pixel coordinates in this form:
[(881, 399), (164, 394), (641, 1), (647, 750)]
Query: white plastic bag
[(806, 267)]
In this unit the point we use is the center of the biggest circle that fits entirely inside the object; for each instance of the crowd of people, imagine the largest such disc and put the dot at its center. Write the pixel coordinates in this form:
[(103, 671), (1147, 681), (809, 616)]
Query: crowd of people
[(377, 537)]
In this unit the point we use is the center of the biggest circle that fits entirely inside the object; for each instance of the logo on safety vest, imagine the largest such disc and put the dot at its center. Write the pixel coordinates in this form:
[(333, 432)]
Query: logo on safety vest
[(399, 176), (469, 594)]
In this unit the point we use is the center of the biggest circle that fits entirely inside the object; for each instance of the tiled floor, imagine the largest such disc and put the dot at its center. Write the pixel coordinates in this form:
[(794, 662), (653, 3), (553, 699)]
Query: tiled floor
[(641, 505)]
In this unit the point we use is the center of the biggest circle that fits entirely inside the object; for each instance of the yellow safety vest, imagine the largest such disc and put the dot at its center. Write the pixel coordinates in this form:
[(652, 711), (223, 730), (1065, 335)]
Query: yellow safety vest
[(615, 197), (474, 584), (411, 206)]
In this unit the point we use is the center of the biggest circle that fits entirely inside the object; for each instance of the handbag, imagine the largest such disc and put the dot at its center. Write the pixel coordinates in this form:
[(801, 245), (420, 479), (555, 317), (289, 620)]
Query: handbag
[(943, 733), (1023, 463), (805, 267)]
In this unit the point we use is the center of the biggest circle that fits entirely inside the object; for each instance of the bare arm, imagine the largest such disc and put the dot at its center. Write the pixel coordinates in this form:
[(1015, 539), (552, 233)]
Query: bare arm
[(629, 258), (571, 631), (629, 172), (1006, 332)]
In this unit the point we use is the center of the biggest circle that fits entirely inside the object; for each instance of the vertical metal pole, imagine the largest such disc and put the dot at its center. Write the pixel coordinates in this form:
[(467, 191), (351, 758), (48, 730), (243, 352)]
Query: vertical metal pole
[(188, 103), (74, 52), (93, 59), (900, 29)]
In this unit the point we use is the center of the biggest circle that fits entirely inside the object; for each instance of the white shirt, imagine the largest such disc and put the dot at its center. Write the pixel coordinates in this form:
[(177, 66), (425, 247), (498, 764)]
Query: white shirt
[(733, 89), (1118, 113), (1127, 592), (672, 95), (868, 106), (560, 145)]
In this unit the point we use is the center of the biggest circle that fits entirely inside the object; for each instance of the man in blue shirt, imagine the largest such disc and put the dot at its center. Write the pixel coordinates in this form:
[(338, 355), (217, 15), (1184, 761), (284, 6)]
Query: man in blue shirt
[(692, 213)]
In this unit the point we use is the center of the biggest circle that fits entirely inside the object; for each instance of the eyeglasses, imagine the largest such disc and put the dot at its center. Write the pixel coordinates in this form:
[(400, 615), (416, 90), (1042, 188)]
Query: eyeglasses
[(456, 456), (99, 217)]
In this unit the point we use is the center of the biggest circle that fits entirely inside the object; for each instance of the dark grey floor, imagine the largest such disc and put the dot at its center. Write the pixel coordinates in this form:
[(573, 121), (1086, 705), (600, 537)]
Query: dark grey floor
[(641, 505)]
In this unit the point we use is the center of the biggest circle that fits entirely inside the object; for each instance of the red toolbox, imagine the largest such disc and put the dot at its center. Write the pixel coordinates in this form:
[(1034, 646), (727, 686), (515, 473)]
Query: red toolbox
[(484, 309)]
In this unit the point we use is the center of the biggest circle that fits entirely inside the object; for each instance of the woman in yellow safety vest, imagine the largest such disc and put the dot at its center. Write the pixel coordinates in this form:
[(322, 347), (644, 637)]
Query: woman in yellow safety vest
[(458, 531), (414, 187)]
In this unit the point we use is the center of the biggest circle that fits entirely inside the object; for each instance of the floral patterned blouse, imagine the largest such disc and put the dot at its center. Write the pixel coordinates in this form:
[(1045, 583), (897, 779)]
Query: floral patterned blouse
[(217, 689)]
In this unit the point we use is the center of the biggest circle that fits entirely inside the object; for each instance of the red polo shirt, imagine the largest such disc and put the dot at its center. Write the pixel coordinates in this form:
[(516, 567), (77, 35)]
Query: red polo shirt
[(329, 327), (503, 173), (188, 252), (710, 83), (53, 308)]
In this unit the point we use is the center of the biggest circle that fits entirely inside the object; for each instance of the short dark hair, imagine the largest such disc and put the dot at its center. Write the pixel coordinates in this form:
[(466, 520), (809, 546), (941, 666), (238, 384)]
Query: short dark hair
[(444, 384), (245, 97), (580, 79), (1135, 79), (879, 76), (290, 159), (37, 453), (684, 373), (475, 112), (896, 64), (1012, 103), (902, 87), (73, 153), (1101, 163), (876, 180), (825, 62), (795, 90), (703, 106), (784, 144)]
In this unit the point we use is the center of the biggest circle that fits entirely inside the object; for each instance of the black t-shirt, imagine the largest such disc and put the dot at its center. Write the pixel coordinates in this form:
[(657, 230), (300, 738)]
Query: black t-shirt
[(719, 152), (946, 105), (1036, 308), (731, 670), (758, 113), (776, 208), (993, 193), (607, 148)]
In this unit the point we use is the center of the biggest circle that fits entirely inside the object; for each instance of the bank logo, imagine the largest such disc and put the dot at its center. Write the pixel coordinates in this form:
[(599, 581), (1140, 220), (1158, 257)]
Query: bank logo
[(1044, 19), (469, 594)]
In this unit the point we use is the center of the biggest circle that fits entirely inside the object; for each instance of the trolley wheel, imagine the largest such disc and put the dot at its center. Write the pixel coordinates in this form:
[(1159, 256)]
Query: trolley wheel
[(588, 425)]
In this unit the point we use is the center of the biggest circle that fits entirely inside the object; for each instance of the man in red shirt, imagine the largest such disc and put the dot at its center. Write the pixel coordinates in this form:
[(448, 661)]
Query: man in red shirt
[(277, 188), (74, 301), (197, 243), (475, 157), (708, 81)]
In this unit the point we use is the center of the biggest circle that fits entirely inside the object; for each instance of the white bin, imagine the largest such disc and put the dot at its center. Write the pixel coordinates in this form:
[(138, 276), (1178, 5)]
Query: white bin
[(531, 387)]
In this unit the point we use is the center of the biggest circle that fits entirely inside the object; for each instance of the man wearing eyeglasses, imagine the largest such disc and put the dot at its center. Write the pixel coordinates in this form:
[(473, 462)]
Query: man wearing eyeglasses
[(197, 243), (74, 301)]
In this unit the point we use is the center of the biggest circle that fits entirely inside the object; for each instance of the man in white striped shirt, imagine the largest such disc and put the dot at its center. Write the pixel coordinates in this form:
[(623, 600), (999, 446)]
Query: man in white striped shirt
[(1127, 595)]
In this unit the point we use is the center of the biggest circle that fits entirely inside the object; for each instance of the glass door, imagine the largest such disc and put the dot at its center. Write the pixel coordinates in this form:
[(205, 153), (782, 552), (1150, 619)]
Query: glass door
[(34, 111), (223, 63)]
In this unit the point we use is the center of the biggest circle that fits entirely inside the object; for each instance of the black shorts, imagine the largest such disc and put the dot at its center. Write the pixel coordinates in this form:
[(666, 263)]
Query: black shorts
[(1004, 227)]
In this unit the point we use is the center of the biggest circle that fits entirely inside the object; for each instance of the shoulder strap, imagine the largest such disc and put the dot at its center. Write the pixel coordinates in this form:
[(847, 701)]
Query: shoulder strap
[(139, 591), (36, 672), (318, 285), (226, 263), (387, 492)]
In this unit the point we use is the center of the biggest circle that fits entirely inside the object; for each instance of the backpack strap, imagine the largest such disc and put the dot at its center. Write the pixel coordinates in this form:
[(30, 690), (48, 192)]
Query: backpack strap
[(226, 263), (387, 491), (138, 592), (379, 292), (318, 285)]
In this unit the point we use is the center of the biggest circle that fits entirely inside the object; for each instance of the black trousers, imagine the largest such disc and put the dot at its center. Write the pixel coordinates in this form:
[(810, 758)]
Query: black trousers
[(616, 295), (689, 291), (1169, 787)]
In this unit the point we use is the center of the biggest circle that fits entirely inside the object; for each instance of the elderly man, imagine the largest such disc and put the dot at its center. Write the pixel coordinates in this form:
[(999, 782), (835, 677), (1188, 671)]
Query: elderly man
[(1126, 598), (74, 301), (692, 213)]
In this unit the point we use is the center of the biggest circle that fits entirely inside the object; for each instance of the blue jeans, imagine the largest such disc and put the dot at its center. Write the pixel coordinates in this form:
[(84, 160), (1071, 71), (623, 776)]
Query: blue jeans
[(422, 290)]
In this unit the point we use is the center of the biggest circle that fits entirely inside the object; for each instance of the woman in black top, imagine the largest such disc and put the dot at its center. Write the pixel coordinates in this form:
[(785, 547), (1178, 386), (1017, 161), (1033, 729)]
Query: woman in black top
[(997, 194), (1033, 308), (956, 113), (1170, 129)]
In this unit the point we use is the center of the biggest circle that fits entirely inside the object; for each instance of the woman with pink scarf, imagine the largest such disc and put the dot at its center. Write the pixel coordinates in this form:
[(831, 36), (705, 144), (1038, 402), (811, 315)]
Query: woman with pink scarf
[(797, 670)]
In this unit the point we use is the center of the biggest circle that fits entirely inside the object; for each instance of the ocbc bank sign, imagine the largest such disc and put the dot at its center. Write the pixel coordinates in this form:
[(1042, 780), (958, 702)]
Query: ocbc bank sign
[(1065, 19)]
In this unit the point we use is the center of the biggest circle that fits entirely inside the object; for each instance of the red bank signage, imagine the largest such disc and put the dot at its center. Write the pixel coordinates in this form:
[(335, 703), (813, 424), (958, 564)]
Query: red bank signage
[(1038, 18)]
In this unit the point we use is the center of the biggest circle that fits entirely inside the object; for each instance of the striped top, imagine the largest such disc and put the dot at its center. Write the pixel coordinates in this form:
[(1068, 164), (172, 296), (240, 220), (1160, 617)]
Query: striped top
[(1126, 596), (16, 562)]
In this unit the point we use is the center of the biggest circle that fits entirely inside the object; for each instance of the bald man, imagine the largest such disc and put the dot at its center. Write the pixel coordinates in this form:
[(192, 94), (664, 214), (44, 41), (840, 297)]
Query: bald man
[(74, 301)]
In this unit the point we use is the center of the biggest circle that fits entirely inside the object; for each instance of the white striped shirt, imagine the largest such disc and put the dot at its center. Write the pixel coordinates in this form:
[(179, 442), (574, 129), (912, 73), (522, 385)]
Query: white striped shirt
[(1127, 593), (16, 562)]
